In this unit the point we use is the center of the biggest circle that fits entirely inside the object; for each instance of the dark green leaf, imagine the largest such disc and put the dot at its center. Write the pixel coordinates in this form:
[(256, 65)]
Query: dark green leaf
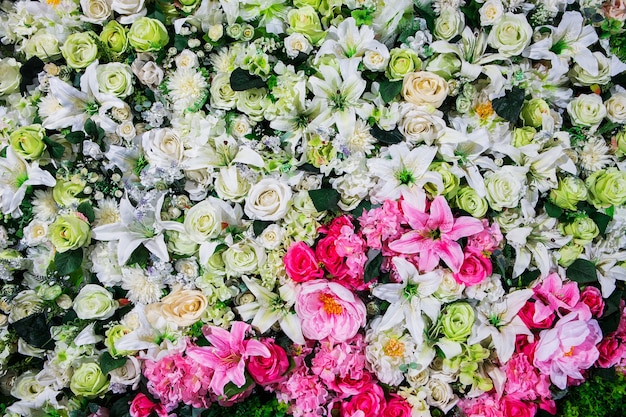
[(300, 59), (86, 209), (501, 262), (388, 137), (609, 323), (241, 80), (582, 271), (34, 330), (610, 211), (75, 137), (56, 149), (611, 305), (180, 42), (231, 389), (140, 256), (552, 209), (120, 407), (325, 199), (509, 107), (529, 276), (363, 205), (91, 129), (68, 262), (259, 225), (607, 374), (390, 89), (426, 12), (109, 363), (601, 220), (372, 267)]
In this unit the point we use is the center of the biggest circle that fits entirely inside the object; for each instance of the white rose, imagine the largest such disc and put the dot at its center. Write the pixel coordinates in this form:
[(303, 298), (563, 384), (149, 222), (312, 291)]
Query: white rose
[(616, 108), (203, 221), (424, 87), (115, 78), (376, 60), (130, 10), (243, 258), (148, 73), (271, 237), (268, 200), (440, 393), (126, 130), (449, 289), (510, 35), (490, 12), (10, 76), (94, 302), (96, 11), (240, 126), (449, 23), (586, 110), (230, 185), (43, 44), (35, 233), (186, 59), (418, 124), (222, 95), (505, 187), (163, 148), (122, 114), (129, 374), (580, 76), (216, 32), (26, 387), (24, 304), (296, 43)]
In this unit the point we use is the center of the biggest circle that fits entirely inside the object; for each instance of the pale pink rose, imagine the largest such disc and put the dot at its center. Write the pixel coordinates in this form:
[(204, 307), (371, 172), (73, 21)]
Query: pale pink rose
[(567, 349), (475, 269), (615, 9), (329, 310), (301, 264)]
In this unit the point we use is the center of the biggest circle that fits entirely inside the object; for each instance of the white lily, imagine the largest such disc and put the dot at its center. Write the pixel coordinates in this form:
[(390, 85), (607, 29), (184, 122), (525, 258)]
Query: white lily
[(338, 97), (607, 261), (348, 41), (500, 321), (15, 176), (410, 298), (222, 151), (270, 308), (141, 225), (402, 169)]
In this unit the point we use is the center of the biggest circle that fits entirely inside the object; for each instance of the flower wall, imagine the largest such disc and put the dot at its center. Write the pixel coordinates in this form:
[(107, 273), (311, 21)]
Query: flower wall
[(311, 208)]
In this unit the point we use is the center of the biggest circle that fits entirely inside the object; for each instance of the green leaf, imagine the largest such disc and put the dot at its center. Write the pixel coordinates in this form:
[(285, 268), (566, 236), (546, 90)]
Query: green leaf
[(582, 271), (86, 209), (372, 267), (610, 211), (120, 407), (180, 42), (363, 205), (388, 137), (259, 225), (529, 276), (241, 80), (325, 199), (75, 137), (91, 129), (509, 107), (601, 220), (390, 89), (68, 262), (56, 149), (109, 363), (140, 256), (552, 209), (231, 389), (34, 330), (501, 262)]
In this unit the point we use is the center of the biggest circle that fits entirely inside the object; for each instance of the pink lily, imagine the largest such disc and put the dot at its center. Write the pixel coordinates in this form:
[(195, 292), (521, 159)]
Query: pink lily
[(553, 295), (228, 354), (435, 235)]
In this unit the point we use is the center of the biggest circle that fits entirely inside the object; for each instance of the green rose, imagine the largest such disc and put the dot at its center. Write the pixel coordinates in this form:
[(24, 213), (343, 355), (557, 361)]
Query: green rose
[(247, 32), (319, 152), (449, 23), (402, 61), (65, 192), (10, 76), (44, 45), (469, 201), (582, 229), (234, 31), (444, 65), (80, 49), (180, 244), (523, 136), (586, 110), (114, 334), (89, 381), (457, 320), (115, 78), (533, 111), (510, 35), (306, 21), (569, 253), (607, 188), (69, 232), (94, 302), (450, 181), (243, 258), (49, 292), (113, 35), (253, 102), (620, 139), (27, 141), (570, 191), (148, 35)]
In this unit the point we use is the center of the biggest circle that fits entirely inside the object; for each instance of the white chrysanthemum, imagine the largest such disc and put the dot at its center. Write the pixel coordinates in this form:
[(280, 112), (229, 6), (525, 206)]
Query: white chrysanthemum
[(48, 106), (44, 206), (186, 87), (595, 155), (107, 212), (361, 140), (105, 264), (142, 289), (387, 350), (223, 61)]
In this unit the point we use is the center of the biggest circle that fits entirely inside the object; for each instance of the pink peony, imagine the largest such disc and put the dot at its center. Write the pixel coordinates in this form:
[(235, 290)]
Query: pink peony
[(475, 269), (328, 309), (370, 402), (567, 349), (397, 407), (268, 370), (301, 264)]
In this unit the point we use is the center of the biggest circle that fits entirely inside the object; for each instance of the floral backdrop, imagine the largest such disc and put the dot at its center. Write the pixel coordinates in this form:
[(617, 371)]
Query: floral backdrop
[(338, 208)]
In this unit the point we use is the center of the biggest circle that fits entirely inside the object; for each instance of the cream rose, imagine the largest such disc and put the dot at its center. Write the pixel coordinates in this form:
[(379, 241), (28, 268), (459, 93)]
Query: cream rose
[(203, 221), (424, 87), (296, 43), (163, 148), (96, 11), (130, 10), (505, 187), (186, 59), (417, 124), (510, 35), (9, 76), (129, 374), (268, 200), (271, 237), (182, 307), (25, 304), (94, 302), (490, 12), (616, 108), (586, 110)]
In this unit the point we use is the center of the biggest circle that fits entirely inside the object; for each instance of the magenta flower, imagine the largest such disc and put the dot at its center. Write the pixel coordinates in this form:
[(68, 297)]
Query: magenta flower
[(434, 236), (228, 354)]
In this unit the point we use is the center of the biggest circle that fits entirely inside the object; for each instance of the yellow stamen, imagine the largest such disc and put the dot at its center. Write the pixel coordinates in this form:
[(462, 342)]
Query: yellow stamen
[(53, 2), (484, 110), (394, 348), (570, 352), (331, 306)]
